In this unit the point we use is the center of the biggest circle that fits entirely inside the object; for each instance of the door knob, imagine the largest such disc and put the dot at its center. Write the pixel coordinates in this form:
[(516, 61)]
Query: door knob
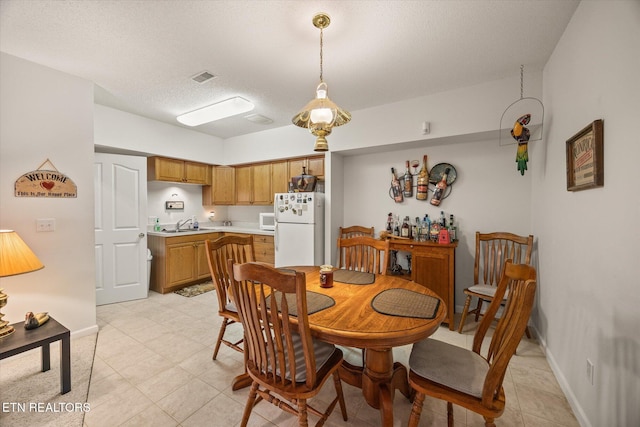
[(141, 235)]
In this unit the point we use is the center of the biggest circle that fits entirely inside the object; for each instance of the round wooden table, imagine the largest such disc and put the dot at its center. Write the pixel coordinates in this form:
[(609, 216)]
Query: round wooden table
[(352, 322)]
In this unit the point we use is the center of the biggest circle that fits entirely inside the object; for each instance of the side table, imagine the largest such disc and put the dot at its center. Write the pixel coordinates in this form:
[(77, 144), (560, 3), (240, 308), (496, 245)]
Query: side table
[(23, 340)]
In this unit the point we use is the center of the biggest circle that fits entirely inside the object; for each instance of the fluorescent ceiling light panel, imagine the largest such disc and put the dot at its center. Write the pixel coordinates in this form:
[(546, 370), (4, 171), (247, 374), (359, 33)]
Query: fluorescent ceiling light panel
[(217, 111)]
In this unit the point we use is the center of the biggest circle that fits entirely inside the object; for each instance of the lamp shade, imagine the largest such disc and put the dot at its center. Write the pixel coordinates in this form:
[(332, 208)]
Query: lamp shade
[(15, 256)]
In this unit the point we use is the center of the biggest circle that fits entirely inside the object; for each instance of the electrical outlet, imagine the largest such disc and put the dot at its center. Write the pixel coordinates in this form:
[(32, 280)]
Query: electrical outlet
[(590, 371), (45, 224)]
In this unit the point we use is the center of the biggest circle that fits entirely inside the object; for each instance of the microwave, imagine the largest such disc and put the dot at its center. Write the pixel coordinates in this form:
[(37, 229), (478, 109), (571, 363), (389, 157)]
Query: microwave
[(267, 221)]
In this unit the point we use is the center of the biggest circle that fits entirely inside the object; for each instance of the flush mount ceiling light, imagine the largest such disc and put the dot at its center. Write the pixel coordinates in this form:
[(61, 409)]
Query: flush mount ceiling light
[(321, 114), (220, 110)]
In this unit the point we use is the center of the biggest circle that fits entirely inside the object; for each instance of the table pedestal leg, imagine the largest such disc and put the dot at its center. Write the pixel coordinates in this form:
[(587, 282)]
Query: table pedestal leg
[(381, 377)]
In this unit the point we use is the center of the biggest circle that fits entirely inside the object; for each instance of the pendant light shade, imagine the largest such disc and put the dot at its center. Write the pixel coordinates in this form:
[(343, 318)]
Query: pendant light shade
[(321, 115)]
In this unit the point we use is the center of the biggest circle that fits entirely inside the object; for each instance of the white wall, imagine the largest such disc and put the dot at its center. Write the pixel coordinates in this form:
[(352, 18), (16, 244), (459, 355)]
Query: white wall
[(589, 252), (116, 129), (488, 195), (46, 114)]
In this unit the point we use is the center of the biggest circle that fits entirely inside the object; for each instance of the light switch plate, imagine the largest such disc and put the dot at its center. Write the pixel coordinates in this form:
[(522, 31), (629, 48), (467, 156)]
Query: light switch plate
[(45, 224)]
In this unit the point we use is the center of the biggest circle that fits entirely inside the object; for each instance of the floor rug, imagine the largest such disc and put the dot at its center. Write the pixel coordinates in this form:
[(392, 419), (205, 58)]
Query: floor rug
[(195, 290), (32, 398)]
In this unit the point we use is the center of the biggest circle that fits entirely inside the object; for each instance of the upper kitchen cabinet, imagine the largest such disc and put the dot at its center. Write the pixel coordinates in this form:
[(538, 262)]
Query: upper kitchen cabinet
[(314, 166), (223, 189), (174, 170), (253, 184), (280, 176)]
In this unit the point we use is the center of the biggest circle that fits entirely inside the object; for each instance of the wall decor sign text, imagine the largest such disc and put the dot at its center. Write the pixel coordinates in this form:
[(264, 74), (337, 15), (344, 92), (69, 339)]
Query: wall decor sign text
[(44, 182)]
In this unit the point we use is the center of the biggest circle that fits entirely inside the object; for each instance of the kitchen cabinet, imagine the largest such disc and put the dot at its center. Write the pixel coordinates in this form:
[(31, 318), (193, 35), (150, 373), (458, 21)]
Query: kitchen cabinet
[(253, 184), (433, 266), (175, 170), (314, 166), (262, 246), (179, 261), (222, 189), (280, 176)]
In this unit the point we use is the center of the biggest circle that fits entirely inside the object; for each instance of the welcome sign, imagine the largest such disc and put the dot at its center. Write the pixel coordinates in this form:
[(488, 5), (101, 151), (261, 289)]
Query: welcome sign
[(45, 183)]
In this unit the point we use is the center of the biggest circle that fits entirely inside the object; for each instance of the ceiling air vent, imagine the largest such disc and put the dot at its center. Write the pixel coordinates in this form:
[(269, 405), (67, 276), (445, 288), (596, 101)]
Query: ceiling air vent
[(257, 118), (202, 77)]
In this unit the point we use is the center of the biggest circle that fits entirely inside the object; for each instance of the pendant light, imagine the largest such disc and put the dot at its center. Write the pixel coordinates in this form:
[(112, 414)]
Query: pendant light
[(321, 114)]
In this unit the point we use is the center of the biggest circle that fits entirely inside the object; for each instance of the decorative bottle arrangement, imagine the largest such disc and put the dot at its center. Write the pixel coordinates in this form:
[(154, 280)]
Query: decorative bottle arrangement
[(408, 182), (422, 189), (396, 189), (441, 186)]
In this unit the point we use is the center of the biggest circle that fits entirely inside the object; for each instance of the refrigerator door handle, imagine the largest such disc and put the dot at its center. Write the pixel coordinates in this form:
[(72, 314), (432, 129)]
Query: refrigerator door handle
[(275, 235)]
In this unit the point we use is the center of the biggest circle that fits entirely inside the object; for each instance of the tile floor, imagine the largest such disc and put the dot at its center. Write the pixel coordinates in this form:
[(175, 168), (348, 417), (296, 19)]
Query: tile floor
[(153, 367)]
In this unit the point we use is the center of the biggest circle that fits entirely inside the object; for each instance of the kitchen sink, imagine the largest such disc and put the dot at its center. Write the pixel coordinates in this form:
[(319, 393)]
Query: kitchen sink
[(185, 231)]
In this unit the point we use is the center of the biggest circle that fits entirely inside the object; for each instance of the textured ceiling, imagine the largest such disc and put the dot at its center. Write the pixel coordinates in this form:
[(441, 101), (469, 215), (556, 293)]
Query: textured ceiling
[(142, 54)]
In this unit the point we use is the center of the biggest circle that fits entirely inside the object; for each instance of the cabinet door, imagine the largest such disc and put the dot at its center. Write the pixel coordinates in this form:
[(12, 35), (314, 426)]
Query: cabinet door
[(202, 264), (243, 185), (280, 177), (263, 248), (223, 187), (434, 268), (295, 167), (196, 173), (168, 169), (316, 166), (261, 180), (180, 263)]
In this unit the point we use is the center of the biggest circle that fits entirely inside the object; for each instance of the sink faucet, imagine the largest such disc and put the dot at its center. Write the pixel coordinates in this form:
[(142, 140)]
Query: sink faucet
[(182, 223)]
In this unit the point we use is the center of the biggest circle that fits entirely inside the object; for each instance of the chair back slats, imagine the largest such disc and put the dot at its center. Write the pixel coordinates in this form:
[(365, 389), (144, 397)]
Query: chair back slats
[(493, 249), (219, 251), (363, 253), (260, 291), (356, 231), (520, 281)]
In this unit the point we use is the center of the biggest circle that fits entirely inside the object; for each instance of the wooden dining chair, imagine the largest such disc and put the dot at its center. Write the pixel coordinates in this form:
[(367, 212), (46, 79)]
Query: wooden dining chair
[(492, 249), (363, 253), (286, 365), (355, 231), (239, 249), (465, 377)]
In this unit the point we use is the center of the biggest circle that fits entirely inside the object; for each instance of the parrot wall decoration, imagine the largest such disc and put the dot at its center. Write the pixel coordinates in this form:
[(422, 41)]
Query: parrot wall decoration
[(521, 134)]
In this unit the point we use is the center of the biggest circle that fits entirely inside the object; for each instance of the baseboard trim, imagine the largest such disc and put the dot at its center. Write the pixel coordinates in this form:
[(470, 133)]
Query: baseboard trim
[(562, 381)]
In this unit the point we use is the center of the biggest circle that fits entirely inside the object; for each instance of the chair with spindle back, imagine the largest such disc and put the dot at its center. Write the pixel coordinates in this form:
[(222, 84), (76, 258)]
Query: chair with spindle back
[(466, 377), (219, 251), (492, 250), (287, 366), (364, 254)]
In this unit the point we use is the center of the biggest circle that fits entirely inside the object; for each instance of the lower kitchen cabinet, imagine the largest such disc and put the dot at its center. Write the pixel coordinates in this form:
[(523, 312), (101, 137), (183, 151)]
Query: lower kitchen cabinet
[(262, 246), (433, 266), (179, 261)]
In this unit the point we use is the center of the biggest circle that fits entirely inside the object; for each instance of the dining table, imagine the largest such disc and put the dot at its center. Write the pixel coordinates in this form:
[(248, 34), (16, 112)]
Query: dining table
[(362, 316)]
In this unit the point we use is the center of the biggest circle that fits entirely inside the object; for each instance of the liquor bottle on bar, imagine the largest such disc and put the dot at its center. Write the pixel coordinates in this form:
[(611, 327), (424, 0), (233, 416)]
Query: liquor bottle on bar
[(396, 226), (422, 188), (390, 223), (442, 221), (415, 230), (452, 229), (441, 186), (396, 189), (405, 230), (426, 228), (408, 182)]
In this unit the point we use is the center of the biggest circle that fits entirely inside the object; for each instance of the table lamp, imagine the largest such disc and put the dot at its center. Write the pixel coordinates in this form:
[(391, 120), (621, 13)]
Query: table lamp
[(15, 258)]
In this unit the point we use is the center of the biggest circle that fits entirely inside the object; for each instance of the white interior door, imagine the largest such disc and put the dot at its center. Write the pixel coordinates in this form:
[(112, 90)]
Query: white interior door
[(120, 228)]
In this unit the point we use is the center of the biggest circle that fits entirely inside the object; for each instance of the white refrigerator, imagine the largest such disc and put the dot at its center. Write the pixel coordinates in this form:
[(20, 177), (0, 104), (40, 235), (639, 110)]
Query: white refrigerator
[(299, 229)]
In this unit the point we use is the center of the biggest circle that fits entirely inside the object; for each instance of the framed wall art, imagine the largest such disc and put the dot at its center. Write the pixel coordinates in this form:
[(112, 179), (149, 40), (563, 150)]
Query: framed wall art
[(585, 158)]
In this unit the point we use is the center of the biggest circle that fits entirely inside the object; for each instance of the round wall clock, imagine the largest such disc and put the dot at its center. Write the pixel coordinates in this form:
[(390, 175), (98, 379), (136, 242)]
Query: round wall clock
[(435, 175)]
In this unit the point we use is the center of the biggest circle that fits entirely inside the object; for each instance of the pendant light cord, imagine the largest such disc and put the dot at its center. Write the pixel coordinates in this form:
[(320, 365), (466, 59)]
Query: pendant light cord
[(521, 76), (321, 45)]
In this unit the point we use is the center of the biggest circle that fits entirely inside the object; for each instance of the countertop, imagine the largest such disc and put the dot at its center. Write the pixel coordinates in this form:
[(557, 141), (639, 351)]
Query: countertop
[(221, 229)]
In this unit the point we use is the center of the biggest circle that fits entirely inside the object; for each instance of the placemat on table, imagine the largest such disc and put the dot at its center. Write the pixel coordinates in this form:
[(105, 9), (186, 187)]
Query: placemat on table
[(353, 277), (405, 303), (315, 302)]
